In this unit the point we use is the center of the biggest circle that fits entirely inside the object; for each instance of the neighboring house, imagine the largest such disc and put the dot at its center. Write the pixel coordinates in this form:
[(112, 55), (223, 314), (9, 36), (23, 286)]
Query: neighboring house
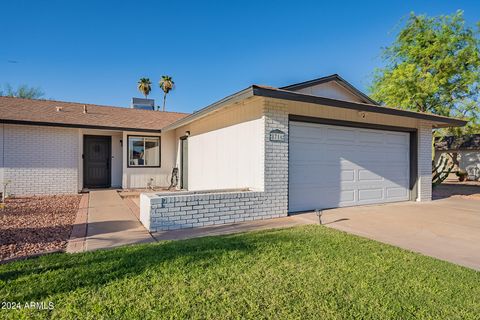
[(463, 151), (262, 152)]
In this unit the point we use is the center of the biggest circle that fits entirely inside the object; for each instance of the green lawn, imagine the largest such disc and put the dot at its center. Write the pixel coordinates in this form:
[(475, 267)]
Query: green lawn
[(304, 272)]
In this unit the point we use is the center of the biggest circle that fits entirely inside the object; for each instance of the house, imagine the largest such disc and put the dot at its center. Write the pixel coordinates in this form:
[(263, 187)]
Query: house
[(49, 147), (463, 151), (262, 152)]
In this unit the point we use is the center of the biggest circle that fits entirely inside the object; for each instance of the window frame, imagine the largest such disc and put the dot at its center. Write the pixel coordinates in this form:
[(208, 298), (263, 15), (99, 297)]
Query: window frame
[(144, 136)]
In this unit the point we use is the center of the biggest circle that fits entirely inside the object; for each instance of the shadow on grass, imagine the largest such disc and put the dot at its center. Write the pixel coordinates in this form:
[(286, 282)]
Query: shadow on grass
[(39, 278)]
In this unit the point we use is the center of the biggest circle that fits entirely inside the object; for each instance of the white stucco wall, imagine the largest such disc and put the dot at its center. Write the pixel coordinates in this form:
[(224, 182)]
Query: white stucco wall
[(137, 177), (40, 160), (226, 149), (226, 158)]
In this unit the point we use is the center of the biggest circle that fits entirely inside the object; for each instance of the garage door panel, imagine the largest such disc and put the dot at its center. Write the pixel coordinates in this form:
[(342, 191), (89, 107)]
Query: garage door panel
[(347, 175), (368, 137), (332, 166), (340, 135), (370, 194), (396, 139), (367, 175), (345, 196), (314, 177), (397, 192), (331, 197)]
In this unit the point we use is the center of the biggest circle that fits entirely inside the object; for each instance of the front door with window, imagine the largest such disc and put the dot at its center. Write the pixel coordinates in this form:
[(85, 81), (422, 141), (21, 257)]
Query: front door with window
[(97, 161)]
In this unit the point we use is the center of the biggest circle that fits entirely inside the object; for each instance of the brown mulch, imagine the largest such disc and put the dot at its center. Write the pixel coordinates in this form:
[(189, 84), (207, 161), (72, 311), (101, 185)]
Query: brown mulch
[(32, 225)]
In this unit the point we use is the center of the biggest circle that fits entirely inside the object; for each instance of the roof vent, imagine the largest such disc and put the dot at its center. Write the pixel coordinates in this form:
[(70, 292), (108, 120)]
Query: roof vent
[(84, 108), (144, 104), (59, 109)]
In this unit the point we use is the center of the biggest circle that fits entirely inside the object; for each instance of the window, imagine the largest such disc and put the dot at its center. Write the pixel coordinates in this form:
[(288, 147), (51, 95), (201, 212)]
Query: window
[(143, 151)]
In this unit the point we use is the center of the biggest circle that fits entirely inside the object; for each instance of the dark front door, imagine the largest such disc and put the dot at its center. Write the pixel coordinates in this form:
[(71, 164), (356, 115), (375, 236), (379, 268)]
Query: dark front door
[(96, 161)]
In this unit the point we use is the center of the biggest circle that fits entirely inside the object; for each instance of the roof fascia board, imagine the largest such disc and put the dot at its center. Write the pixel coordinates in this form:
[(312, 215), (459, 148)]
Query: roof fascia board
[(68, 125), (293, 96)]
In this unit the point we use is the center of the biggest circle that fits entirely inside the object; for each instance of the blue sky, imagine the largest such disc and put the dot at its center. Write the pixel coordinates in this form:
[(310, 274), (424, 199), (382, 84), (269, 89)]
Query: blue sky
[(95, 51)]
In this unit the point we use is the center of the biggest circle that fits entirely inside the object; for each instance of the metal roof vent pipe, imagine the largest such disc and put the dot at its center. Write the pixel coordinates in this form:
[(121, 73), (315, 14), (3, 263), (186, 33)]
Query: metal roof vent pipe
[(85, 108), (59, 109)]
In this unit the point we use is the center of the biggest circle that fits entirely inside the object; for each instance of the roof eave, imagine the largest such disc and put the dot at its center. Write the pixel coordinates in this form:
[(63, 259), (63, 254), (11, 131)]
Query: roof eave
[(293, 96), (254, 90), (73, 125)]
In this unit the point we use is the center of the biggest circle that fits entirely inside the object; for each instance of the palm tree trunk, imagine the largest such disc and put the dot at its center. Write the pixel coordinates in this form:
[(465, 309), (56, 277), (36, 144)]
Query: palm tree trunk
[(164, 99)]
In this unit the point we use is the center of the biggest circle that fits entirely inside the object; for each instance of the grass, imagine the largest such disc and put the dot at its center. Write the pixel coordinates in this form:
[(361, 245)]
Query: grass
[(304, 272)]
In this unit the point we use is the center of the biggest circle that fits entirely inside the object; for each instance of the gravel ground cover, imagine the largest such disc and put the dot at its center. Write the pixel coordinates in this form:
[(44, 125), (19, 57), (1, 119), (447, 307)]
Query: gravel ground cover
[(32, 225)]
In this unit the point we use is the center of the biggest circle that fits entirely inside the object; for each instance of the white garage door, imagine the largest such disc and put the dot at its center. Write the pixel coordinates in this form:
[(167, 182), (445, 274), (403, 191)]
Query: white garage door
[(334, 166)]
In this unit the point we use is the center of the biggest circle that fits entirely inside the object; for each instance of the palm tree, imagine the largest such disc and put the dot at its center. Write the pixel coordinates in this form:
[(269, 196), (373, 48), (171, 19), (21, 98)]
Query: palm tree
[(144, 86), (166, 84)]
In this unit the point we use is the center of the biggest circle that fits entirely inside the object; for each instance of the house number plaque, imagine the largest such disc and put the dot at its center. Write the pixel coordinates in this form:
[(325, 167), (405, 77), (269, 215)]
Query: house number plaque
[(277, 136)]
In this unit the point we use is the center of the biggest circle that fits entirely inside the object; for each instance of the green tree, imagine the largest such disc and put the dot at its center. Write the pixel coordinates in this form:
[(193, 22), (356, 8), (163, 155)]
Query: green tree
[(144, 86), (22, 91), (166, 84), (433, 66)]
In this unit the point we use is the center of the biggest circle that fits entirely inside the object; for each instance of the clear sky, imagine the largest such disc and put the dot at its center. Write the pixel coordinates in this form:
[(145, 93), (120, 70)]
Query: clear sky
[(95, 51)]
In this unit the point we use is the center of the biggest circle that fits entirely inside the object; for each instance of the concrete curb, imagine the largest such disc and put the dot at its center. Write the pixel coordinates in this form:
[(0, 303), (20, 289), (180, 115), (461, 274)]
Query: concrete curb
[(76, 243)]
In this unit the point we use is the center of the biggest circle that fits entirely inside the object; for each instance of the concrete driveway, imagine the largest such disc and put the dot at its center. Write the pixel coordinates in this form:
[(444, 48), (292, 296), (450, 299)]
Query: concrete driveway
[(447, 229)]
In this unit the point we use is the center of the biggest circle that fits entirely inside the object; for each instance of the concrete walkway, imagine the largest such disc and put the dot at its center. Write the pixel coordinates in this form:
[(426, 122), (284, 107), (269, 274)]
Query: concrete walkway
[(111, 223)]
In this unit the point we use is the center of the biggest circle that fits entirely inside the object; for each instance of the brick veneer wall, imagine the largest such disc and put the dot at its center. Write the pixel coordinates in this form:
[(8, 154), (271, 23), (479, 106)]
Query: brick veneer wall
[(170, 212), (40, 160), (187, 210), (424, 161)]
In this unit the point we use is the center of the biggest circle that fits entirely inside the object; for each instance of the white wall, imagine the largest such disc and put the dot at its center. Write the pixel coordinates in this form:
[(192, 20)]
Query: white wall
[(135, 177), (226, 149), (226, 158), (330, 90), (40, 160)]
